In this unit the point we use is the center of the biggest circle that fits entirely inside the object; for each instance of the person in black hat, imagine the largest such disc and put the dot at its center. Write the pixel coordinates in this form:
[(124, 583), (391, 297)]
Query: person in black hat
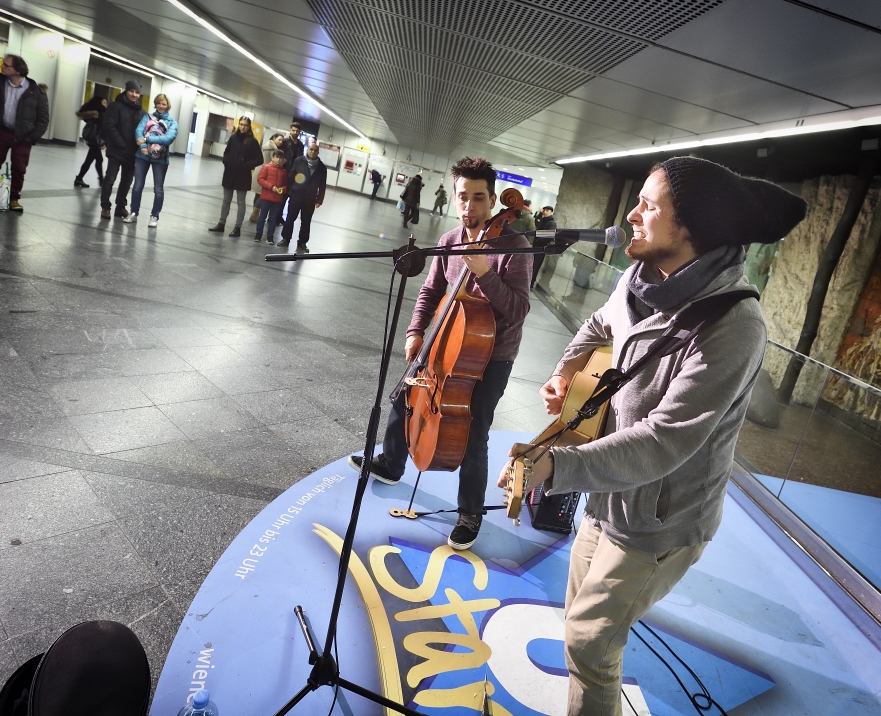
[(657, 477), (120, 121)]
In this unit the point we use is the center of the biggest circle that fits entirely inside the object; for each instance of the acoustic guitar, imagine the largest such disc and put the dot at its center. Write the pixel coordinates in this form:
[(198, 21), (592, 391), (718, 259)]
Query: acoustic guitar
[(581, 387)]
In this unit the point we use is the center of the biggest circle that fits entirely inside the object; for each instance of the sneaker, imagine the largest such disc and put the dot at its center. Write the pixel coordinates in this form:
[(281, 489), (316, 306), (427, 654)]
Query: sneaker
[(15, 206), (130, 219), (269, 240), (154, 222), (302, 249), (257, 238), (378, 468), (79, 183), (105, 213), (464, 534), (121, 212), (284, 242)]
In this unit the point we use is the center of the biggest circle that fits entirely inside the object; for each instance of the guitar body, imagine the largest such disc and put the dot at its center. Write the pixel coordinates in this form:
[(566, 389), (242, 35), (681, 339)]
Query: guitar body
[(581, 388)]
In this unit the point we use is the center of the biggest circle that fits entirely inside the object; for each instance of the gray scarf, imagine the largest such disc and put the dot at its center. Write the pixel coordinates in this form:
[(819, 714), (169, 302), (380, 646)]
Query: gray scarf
[(649, 293), (313, 163)]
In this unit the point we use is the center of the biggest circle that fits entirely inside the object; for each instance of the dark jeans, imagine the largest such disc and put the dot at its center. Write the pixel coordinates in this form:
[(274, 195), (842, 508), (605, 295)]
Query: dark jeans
[(375, 189), (141, 168), (439, 208), (126, 173), (94, 155), (473, 472), (305, 207), (21, 155), (272, 211), (410, 210)]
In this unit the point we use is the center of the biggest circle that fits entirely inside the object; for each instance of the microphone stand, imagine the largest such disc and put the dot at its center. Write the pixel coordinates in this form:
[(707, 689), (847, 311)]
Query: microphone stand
[(409, 261)]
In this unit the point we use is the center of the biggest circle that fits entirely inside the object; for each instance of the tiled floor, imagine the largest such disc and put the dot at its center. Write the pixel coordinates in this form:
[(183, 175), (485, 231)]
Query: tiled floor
[(158, 387)]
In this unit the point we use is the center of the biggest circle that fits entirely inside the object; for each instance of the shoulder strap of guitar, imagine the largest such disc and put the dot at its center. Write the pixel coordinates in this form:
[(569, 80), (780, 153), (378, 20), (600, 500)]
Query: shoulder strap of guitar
[(681, 331)]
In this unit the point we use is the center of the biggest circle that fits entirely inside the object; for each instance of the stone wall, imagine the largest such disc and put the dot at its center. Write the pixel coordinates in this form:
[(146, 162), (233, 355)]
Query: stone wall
[(785, 298)]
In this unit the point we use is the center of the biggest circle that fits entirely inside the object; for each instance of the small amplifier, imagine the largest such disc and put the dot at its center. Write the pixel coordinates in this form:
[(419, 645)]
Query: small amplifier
[(553, 513)]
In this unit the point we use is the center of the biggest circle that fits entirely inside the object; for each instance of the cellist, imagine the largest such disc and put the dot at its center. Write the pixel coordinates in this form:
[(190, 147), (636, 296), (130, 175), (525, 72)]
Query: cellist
[(503, 279)]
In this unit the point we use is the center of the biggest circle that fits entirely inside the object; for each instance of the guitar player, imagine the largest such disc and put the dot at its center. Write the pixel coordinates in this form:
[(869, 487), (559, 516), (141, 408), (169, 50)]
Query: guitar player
[(657, 477)]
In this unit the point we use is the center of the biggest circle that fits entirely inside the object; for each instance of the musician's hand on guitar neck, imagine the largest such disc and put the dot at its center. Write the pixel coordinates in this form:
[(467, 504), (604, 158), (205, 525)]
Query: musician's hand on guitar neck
[(553, 393), (542, 470), (412, 347)]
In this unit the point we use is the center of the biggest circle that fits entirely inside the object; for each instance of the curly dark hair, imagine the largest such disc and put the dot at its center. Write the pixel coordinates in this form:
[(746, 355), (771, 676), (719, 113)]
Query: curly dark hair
[(475, 168)]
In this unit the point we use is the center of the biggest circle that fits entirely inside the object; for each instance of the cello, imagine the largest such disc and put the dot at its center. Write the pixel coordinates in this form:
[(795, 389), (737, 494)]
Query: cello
[(454, 354)]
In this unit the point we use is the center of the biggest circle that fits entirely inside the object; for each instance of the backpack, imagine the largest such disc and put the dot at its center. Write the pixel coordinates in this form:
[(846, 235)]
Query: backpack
[(156, 126)]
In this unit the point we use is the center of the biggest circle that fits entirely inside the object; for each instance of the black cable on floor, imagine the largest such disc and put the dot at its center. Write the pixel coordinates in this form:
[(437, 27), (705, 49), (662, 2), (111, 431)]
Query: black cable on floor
[(706, 699)]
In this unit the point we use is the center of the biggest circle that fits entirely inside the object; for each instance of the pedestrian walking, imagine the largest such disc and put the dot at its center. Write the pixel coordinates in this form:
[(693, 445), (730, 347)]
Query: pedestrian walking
[(92, 113)]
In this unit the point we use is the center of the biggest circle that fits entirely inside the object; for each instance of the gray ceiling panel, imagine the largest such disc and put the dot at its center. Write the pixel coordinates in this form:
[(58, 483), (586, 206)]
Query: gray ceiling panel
[(850, 71), (716, 88)]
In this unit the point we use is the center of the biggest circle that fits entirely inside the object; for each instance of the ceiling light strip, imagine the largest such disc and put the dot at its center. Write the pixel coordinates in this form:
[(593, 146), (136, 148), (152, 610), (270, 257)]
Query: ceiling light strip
[(109, 56), (260, 63), (728, 139)]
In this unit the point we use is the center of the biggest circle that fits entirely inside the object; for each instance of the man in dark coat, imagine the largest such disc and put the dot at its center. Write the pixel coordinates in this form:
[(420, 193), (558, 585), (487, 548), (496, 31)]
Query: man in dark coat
[(292, 146), (24, 118), (547, 221), (410, 197), (307, 182), (376, 179), (120, 121)]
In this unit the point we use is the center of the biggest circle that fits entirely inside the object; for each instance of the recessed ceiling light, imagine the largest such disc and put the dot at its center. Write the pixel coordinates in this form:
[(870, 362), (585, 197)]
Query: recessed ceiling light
[(260, 63)]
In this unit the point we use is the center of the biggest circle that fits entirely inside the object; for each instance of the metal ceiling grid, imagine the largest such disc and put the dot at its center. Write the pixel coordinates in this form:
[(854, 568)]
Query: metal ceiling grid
[(486, 65)]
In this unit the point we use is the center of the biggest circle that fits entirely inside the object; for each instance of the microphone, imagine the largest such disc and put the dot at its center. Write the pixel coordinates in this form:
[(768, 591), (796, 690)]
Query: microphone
[(614, 236)]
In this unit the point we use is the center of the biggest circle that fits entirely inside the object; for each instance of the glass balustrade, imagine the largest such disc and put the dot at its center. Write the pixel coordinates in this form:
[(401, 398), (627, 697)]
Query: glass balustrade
[(819, 453)]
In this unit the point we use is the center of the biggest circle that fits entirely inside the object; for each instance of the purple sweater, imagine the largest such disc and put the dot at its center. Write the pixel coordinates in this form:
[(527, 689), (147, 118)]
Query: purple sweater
[(505, 286)]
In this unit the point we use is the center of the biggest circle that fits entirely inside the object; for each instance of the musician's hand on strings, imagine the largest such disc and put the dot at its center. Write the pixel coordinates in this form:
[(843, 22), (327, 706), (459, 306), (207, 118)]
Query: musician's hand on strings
[(542, 469), (553, 393), (412, 347), (477, 264)]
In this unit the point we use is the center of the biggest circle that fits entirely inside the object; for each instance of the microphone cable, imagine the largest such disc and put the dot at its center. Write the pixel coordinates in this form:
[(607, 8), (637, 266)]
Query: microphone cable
[(701, 700)]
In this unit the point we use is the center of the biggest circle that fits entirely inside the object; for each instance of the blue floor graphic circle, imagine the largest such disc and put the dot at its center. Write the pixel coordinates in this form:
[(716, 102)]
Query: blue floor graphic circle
[(424, 625)]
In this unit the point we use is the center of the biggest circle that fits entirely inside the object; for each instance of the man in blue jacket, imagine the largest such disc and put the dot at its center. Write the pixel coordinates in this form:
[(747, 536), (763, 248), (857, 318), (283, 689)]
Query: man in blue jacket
[(24, 118), (307, 182), (656, 479)]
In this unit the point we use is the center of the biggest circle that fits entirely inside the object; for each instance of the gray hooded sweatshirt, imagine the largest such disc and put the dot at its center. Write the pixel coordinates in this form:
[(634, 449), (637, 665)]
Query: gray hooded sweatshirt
[(657, 478)]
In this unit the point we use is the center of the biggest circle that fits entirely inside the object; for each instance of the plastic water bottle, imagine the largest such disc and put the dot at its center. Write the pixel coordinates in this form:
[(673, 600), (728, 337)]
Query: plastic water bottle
[(201, 705)]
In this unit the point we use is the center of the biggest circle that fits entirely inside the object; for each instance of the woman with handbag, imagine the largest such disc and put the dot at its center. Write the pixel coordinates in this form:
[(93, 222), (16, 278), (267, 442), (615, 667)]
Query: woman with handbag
[(241, 156), (92, 112), (155, 134)]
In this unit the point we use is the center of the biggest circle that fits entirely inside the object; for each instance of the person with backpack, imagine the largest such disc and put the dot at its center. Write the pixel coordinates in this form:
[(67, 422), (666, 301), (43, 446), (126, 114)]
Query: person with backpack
[(410, 197), (155, 134), (92, 112), (656, 480)]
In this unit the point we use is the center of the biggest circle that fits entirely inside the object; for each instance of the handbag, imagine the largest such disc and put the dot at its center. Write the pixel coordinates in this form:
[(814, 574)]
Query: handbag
[(400, 206), (90, 133)]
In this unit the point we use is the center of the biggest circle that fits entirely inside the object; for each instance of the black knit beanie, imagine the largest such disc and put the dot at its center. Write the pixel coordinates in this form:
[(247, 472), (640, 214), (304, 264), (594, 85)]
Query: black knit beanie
[(719, 207)]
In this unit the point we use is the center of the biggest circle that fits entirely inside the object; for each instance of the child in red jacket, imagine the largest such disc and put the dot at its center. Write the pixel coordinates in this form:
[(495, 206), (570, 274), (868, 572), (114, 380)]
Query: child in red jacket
[(273, 181)]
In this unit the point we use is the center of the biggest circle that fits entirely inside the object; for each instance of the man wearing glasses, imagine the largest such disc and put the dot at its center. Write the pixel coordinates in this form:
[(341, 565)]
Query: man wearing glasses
[(24, 118)]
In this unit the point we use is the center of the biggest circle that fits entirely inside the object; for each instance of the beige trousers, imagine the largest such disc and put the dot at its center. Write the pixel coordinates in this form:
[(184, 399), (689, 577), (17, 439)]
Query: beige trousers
[(610, 588)]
